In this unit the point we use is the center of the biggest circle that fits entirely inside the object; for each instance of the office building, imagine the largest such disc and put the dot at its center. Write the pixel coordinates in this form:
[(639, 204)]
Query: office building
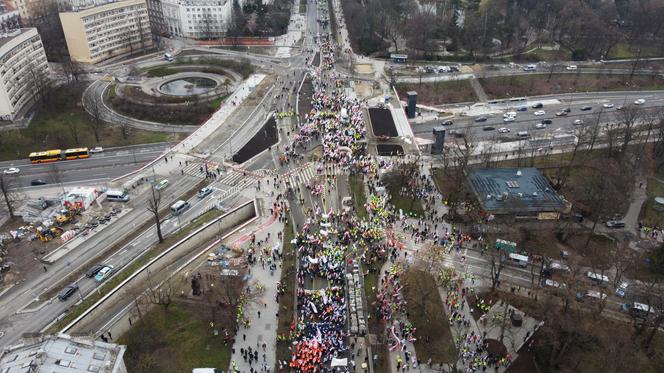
[(24, 71), (102, 32), (197, 19)]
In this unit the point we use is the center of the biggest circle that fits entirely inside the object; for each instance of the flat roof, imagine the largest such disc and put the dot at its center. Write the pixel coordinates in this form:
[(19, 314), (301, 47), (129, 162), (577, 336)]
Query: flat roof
[(59, 353), (514, 190), (8, 36)]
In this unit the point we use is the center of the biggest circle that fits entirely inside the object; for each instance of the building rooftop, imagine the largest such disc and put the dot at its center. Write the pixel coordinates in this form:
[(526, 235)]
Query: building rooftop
[(5, 37), (514, 190), (60, 353)]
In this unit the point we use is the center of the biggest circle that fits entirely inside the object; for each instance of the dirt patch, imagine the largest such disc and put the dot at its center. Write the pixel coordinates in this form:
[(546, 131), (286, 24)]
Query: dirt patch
[(364, 68), (382, 122), (364, 89), (266, 137), (533, 85), (389, 149), (481, 303), (440, 93)]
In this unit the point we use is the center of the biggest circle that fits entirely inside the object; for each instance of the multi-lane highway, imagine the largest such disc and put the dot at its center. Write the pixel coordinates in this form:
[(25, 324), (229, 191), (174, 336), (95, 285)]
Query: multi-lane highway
[(110, 163), (527, 120)]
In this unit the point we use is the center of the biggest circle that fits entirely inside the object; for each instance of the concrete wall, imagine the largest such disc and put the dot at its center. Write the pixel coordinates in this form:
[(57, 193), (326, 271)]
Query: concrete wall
[(108, 305)]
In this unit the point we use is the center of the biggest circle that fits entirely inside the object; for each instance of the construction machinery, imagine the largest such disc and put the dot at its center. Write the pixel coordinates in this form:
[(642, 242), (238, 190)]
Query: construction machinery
[(46, 234), (66, 215)]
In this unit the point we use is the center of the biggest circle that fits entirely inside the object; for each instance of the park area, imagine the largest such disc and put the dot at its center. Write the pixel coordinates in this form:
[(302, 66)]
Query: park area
[(427, 314), (175, 339), (62, 123), (543, 84)]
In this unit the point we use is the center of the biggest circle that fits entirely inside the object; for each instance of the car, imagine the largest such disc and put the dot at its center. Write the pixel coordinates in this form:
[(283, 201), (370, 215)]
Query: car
[(561, 113), (481, 119), (567, 110), (639, 102), (447, 123), (538, 105), (11, 171), (488, 128), (547, 121), (67, 292), (104, 273), (522, 108), (571, 67), (619, 107), (530, 68), (508, 119), (37, 182), (621, 290), (509, 114), (539, 113), (615, 224), (93, 270), (204, 192), (540, 126), (578, 122), (608, 105), (162, 184), (503, 130), (96, 149), (586, 108)]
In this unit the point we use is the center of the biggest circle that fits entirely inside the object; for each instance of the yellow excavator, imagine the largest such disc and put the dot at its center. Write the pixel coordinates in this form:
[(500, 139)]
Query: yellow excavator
[(66, 215), (46, 234)]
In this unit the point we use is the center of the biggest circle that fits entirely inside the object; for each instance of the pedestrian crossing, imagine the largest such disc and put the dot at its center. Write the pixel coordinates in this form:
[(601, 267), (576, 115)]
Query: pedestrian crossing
[(311, 171), (197, 169)]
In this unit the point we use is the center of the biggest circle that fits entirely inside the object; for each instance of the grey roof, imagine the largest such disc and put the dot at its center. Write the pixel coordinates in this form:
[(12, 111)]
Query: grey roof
[(63, 353), (514, 190)]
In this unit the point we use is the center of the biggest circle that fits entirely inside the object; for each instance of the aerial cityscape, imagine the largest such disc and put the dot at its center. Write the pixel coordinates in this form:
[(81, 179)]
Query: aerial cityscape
[(247, 186)]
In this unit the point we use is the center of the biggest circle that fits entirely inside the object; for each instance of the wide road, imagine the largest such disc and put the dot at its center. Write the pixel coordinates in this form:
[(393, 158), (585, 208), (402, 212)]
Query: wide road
[(526, 121), (111, 163), (13, 325)]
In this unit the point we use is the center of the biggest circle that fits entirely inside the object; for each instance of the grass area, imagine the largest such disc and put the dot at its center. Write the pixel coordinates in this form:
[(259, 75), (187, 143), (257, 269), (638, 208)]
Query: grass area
[(439, 93), (174, 340), (62, 123), (648, 215), (427, 313), (133, 267), (110, 92), (286, 300), (216, 66), (540, 84), (160, 71), (540, 54), (356, 182), (626, 50), (409, 205)]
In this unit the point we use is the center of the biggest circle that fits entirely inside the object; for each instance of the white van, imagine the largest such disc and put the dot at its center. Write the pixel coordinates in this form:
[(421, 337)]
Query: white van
[(117, 196), (168, 57), (522, 134), (178, 207), (530, 68)]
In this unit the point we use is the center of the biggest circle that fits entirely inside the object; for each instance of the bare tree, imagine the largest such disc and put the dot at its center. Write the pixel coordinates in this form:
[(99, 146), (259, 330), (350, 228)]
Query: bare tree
[(154, 202), (8, 184), (628, 118), (164, 294), (96, 123)]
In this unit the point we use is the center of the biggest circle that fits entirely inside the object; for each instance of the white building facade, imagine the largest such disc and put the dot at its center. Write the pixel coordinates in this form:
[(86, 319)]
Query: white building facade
[(24, 71), (197, 19)]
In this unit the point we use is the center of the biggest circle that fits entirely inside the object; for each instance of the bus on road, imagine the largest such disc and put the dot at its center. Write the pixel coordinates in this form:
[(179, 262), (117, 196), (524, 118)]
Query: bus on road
[(77, 153), (58, 155)]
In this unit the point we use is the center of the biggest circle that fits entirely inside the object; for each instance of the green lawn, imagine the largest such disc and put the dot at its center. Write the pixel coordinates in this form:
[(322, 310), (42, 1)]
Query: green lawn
[(356, 182), (427, 313), (649, 216), (62, 123), (625, 50), (174, 340), (408, 205)]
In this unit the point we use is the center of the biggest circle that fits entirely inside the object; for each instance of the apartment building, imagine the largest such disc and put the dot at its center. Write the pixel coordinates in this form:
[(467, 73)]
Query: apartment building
[(156, 15), (102, 32), (63, 353), (198, 19), (9, 16), (24, 71)]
